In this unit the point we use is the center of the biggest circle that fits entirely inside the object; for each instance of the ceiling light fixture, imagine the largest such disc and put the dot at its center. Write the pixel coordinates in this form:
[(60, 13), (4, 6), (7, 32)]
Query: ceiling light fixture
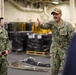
[(55, 1)]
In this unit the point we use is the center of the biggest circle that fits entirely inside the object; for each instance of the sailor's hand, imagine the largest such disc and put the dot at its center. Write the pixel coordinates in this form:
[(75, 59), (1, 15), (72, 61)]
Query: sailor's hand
[(0, 53), (37, 23), (6, 52)]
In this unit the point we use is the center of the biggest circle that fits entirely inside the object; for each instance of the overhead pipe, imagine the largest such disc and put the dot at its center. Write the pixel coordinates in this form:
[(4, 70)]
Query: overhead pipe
[(24, 8), (45, 11), (29, 9)]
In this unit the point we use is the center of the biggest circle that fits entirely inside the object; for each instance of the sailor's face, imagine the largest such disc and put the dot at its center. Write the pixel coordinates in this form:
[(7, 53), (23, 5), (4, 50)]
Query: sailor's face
[(57, 17)]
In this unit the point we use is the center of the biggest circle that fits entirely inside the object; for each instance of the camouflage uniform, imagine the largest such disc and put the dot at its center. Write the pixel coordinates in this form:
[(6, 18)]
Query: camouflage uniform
[(61, 36), (3, 46)]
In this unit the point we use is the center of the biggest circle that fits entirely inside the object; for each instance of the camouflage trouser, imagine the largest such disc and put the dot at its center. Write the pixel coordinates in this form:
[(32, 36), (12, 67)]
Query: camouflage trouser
[(57, 60), (3, 65)]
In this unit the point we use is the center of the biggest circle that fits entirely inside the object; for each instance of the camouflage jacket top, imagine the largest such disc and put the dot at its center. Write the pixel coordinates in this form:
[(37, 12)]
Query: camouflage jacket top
[(61, 35), (4, 42)]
